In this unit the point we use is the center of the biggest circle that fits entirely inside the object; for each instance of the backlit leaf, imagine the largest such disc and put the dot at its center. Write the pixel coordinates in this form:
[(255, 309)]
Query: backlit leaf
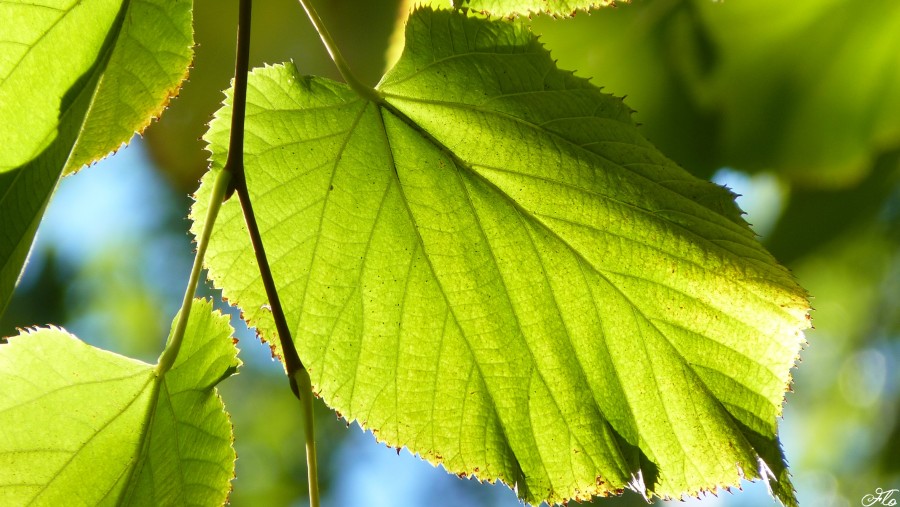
[(511, 7), (77, 79), (83, 426), (490, 266)]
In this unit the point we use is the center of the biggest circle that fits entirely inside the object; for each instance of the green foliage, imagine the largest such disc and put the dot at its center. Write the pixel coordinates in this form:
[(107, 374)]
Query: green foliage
[(77, 79), (83, 426), (512, 7), (487, 264), (482, 258), (809, 89), (850, 49)]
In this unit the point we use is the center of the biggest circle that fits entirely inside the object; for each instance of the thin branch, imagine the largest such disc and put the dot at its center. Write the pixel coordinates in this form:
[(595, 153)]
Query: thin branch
[(292, 361), (234, 163), (235, 166)]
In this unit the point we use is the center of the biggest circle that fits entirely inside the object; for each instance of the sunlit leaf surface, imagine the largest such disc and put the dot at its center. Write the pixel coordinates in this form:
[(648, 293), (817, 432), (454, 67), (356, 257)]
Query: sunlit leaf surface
[(512, 7), (77, 79), (490, 266), (83, 426)]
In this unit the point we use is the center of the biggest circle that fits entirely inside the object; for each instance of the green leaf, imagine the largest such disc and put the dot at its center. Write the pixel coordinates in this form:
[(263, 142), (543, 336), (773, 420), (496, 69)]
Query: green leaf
[(513, 7), (494, 269), (77, 79), (83, 426)]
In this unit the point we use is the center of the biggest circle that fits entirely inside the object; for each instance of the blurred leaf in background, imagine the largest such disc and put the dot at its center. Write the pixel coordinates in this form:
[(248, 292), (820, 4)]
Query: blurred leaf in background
[(809, 88)]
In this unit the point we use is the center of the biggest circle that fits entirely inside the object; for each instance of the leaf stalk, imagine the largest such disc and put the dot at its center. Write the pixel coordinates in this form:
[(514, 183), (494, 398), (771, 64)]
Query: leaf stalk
[(167, 358), (364, 91), (309, 430)]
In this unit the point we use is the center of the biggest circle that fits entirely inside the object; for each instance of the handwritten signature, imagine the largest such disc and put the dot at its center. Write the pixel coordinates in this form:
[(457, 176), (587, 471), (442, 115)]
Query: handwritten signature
[(881, 497)]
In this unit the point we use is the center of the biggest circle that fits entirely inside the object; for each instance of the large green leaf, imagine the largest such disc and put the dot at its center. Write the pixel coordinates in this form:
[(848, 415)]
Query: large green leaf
[(490, 266), (77, 79), (512, 7), (83, 426)]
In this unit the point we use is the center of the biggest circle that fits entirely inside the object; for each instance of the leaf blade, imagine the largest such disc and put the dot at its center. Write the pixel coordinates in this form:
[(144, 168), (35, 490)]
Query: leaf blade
[(474, 281), (130, 59), (565, 8), (88, 427)]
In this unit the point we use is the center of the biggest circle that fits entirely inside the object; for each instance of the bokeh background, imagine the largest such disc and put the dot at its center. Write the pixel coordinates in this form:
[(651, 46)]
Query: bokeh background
[(795, 105)]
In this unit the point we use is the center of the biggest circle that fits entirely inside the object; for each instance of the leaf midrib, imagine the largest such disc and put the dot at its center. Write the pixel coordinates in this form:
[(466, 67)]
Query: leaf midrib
[(518, 467), (150, 379)]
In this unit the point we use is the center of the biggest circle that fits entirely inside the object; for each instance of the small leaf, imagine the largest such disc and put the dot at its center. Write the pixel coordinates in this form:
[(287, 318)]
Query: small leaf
[(83, 426), (491, 267), (77, 79), (513, 7)]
